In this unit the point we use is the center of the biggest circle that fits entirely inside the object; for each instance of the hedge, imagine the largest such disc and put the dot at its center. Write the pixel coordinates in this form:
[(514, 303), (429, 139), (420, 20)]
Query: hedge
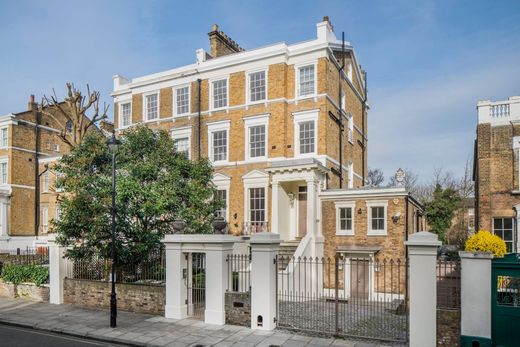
[(16, 274)]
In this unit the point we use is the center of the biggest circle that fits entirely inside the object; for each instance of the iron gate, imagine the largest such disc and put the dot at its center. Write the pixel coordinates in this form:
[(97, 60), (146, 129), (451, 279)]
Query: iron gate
[(343, 296), (196, 285)]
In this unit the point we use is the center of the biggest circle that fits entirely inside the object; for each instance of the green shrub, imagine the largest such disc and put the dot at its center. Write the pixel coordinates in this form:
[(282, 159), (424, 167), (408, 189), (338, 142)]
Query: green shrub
[(16, 274)]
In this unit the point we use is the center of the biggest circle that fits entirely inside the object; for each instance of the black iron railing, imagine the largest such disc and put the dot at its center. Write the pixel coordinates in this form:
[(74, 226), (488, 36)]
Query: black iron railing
[(448, 284), (239, 273), (342, 296)]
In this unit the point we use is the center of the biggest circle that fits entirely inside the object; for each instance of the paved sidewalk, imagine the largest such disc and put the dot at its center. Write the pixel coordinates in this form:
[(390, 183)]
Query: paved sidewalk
[(146, 330)]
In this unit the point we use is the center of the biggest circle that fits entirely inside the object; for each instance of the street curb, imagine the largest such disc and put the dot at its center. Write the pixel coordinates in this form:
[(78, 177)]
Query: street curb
[(85, 336)]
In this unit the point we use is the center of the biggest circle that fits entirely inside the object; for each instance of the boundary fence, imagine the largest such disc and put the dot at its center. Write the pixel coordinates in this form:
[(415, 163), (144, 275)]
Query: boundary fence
[(148, 272), (448, 284), (343, 296)]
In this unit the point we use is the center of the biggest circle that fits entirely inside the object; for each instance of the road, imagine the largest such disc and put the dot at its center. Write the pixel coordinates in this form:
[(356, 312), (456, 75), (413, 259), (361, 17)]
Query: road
[(20, 337)]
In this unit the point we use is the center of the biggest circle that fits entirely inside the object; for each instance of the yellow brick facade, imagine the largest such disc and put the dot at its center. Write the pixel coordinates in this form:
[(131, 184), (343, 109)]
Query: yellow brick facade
[(19, 191)]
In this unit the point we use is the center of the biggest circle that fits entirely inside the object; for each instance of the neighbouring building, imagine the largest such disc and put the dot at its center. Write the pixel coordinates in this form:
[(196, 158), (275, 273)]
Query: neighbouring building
[(29, 145), (285, 127), (496, 169)]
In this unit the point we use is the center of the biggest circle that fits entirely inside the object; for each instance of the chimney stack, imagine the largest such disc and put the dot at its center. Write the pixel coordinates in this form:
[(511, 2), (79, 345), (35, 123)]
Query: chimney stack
[(31, 104), (221, 44)]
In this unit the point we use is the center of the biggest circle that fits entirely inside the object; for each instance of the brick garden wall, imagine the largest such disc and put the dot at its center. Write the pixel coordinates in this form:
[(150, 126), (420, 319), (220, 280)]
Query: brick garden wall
[(24, 291), (130, 297), (448, 328)]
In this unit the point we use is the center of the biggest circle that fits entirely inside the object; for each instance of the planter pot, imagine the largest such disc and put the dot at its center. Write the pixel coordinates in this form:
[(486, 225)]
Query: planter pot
[(178, 226), (219, 225)]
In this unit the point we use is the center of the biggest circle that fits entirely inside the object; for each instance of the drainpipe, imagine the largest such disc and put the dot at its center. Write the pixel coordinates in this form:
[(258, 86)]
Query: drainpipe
[(363, 145), (36, 115), (199, 83), (340, 80)]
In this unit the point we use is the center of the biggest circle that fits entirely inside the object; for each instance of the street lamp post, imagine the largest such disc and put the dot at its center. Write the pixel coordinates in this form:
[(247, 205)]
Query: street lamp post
[(113, 145)]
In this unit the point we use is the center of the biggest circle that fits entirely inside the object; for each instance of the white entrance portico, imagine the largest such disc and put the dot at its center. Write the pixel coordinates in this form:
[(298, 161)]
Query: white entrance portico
[(295, 204)]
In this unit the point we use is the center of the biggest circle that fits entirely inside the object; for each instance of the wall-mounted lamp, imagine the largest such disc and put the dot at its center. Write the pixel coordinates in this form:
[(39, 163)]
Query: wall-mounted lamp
[(359, 210), (396, 217)]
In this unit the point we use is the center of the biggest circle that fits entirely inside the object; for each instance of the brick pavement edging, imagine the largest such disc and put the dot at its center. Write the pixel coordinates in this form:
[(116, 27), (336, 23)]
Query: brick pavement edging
[(147, 330)]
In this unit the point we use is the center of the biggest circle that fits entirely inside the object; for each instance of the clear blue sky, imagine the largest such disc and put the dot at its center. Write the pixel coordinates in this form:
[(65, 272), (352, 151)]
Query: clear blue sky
[(428, 62)]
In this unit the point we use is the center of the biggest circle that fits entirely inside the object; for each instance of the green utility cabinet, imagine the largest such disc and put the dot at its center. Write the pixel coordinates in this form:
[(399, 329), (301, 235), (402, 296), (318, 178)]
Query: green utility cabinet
[(505, 301)]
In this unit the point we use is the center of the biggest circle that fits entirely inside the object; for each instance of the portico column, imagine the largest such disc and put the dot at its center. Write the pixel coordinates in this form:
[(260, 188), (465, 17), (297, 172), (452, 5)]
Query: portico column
[(3, 219), (516, 227), (311, 206), (275, 206)]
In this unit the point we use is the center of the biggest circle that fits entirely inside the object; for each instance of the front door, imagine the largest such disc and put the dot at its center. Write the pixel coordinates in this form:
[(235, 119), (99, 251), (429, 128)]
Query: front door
[(359, 278), (302, 212)]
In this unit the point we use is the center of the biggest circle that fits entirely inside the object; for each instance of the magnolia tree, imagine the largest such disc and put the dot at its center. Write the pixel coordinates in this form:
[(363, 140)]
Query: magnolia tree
[(155, 186)]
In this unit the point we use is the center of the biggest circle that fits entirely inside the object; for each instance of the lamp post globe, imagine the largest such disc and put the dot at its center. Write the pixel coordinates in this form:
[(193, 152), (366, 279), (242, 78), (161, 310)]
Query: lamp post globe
[(113, 146)]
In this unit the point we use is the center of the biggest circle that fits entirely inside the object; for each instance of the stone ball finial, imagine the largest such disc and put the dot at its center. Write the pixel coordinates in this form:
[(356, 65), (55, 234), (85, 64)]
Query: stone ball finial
[(214, 27)]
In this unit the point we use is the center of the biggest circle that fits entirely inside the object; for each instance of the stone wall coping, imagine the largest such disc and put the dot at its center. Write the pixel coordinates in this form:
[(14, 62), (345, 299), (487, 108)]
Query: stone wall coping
[(199, 238), (265, 238), (423, 238), (476, 255)]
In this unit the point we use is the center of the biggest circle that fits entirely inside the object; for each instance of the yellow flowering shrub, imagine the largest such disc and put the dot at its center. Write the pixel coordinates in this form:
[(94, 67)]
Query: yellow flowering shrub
[(484, 241)]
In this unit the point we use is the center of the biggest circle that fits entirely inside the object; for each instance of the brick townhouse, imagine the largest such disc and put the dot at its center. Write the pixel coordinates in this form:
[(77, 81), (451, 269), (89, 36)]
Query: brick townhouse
[(29, 145), (285, 127), (496, 169)]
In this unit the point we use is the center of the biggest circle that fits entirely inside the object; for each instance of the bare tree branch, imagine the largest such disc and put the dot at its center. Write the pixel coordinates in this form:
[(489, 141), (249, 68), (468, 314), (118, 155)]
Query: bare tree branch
[(74, 108)]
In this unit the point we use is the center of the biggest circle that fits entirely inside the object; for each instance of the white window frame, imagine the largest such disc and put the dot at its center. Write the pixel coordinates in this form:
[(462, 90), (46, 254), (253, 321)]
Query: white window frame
[(513, 240), (145, 109), (248, 86), (57, 212), (252, 122), (6, 161), (182, 133), (45, 182), (175, 89), (58, 175), (297, 80), (377, 203), (211, 97), (45, 219), (2, 129), (214, 127), (340, 205), (301, 117), (351, 129), (256, 179), (350, 174), (223, 182), (121, 122), (56, 147)]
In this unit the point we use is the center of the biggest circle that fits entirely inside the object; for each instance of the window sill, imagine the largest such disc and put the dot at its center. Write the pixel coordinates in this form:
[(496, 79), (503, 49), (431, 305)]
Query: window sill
[(151, 120), (515, 192), (344, 233), (182, 115), (305, 97), (377, 233), (254, 103), (256, 159), (220, 163), (226, 108), (306, 155)]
